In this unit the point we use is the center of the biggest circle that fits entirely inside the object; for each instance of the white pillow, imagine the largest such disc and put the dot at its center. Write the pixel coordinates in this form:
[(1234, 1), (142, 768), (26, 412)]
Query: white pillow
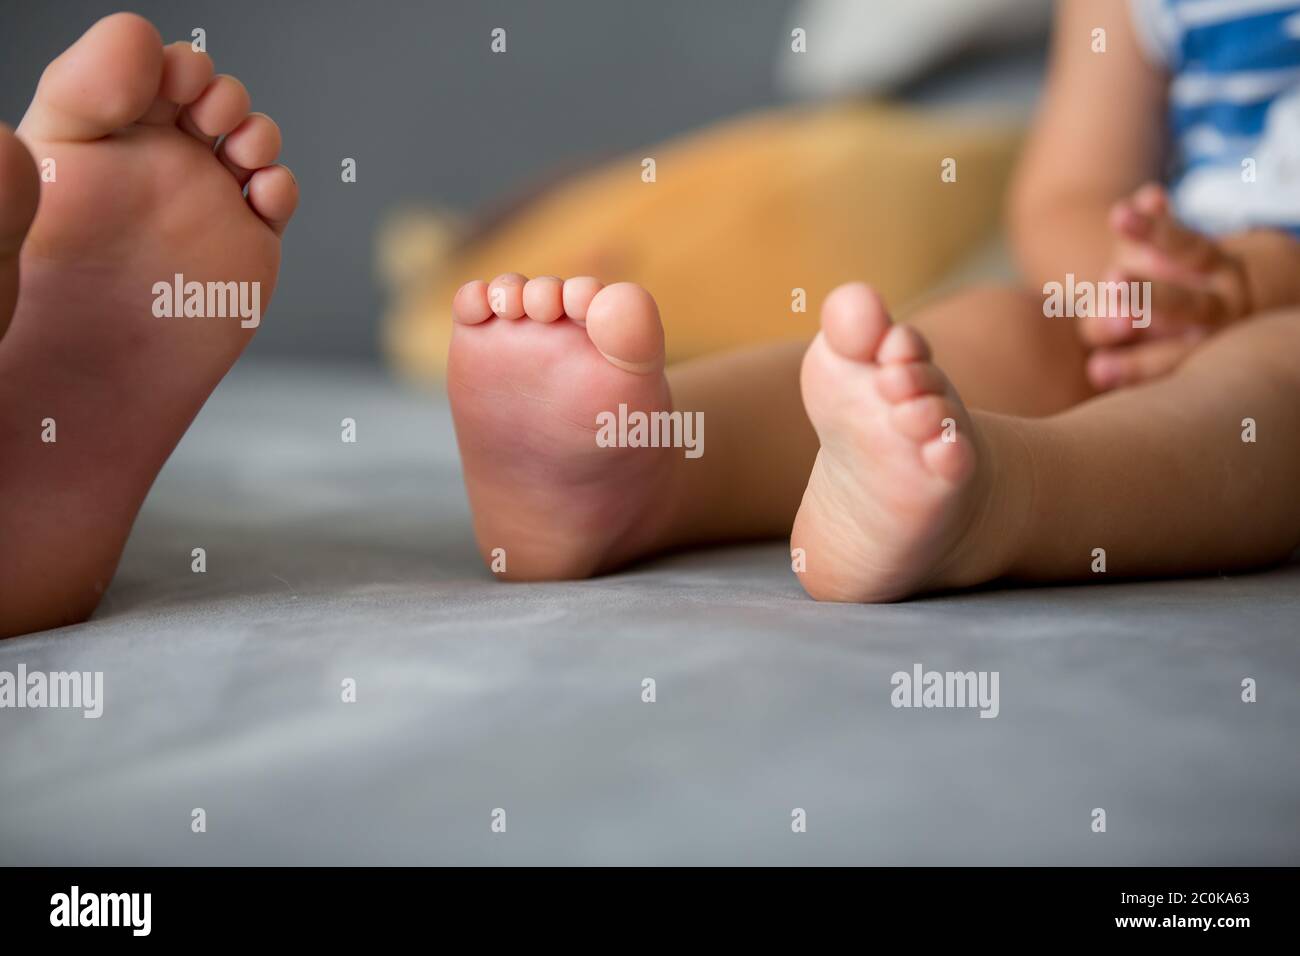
[(873, 46)]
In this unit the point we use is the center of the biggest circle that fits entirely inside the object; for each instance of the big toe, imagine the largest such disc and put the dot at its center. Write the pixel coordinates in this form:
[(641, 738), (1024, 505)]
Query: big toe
[(623, 323), (106, 80), (855, 321)]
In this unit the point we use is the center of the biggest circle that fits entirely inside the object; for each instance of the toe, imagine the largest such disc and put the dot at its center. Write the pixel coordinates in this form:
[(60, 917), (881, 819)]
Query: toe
[(186, 73), (951, 460), (902, 343), (900, 382), (854, 320), (578, 293), (219, 109), (470, 305), (544, 298), (108, 79), (273, 195), (506, 295), (623, 323), (923, 418), (254, 143)]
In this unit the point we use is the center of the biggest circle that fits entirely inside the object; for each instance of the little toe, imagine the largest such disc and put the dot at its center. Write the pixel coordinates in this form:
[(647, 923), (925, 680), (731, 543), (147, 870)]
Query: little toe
[(949, 457), (506, 295), (254, 143), (273, 195), (578, 293), (544, 298), (623, 323), (219, 109), (470, 304), (854, 320)]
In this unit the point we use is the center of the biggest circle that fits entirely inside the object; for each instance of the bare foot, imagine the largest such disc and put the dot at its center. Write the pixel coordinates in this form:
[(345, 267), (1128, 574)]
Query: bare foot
[(533, 363), (902, 489), (95, 387)]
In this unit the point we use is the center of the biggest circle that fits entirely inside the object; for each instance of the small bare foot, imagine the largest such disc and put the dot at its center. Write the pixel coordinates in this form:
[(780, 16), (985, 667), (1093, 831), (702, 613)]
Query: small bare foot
[(901, 487), (533, 363), (153, 174)]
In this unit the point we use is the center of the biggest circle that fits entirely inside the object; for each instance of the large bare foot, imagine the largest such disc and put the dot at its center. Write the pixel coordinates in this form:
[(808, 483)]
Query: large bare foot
[(902, 492), (533, 363), (138, 188)]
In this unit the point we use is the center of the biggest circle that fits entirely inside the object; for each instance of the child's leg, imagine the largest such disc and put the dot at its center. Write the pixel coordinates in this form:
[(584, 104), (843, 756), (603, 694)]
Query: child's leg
[(994, 342), (525, 396), (1195, 472), (1157, 476)]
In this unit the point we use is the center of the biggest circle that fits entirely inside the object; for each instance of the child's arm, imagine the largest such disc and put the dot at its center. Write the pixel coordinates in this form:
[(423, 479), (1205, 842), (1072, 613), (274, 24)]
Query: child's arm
[(1099, 134)]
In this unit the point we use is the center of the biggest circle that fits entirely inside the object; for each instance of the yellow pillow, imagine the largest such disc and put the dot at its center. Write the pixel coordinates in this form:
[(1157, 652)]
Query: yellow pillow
[(738, 218)]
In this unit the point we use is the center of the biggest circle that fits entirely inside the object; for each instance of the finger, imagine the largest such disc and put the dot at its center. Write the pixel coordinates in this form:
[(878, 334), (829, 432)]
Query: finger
[(1133, 364), (1151, 199), (1111, 318), (1155, 309), (1134, 216), (1184, 247), (1128, 222), (1174, 307)]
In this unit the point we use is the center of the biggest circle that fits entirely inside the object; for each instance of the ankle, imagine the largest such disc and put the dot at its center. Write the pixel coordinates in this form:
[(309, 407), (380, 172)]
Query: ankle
[(1010, 493)]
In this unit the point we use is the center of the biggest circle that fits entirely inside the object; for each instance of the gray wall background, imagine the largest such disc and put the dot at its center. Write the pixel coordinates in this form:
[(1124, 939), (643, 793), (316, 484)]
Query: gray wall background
[(412, 92)]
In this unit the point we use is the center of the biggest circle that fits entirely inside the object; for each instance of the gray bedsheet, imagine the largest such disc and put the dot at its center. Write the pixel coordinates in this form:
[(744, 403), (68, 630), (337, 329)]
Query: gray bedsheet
[(329, 561)]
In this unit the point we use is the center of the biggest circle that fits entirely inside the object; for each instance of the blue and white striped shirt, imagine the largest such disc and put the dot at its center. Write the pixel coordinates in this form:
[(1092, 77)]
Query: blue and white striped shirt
[(1234, 108)]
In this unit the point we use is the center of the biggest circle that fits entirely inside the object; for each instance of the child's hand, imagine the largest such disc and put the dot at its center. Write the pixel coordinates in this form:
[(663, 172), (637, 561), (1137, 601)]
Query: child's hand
[(1198, 285)]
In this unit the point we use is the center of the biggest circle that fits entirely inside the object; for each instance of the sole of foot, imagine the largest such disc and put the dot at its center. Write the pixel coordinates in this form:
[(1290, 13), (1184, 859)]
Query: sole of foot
[(152, 174), (533, 364), (900, 486)]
